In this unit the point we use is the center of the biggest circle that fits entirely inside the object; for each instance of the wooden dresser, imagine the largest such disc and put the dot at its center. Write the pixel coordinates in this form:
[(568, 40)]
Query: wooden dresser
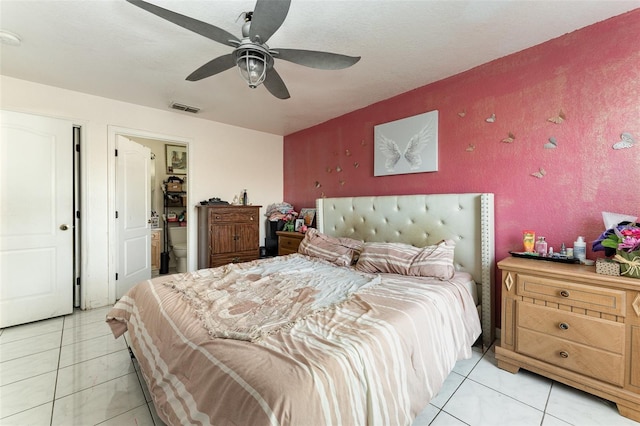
[(288, 242), (568, 323), (227, 234)]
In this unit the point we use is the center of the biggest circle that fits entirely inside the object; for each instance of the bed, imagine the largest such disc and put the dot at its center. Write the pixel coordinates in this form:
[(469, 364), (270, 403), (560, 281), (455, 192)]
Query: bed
[(335, 334)]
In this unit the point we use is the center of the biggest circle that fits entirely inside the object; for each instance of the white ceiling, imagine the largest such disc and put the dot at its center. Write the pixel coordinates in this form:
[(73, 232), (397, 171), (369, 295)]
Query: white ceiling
[(113, 49)]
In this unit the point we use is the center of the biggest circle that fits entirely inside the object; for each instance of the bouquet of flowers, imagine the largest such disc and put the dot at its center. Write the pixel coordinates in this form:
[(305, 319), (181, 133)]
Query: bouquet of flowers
[(290, 220), (623, 243)]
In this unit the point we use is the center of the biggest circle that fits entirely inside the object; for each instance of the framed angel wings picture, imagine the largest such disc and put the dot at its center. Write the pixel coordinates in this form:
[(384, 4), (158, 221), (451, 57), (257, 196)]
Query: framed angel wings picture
[(409, 145)]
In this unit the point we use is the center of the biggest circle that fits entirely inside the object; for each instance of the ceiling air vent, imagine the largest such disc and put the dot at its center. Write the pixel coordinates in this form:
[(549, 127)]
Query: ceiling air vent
[(186, 108)]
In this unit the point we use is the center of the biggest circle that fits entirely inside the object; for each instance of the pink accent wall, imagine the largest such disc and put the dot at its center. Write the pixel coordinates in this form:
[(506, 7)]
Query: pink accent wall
[(592, 75)]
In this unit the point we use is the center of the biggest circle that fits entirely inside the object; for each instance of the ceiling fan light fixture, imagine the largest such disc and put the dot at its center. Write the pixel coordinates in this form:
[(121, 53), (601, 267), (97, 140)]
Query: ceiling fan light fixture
[(252, 56), (253, 65)]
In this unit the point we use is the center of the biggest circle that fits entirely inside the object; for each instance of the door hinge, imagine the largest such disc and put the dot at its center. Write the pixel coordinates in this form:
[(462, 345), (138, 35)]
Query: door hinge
[(116, 214), (78, 281), (77, 147), (116, 276), (116, 152), (78, 214)]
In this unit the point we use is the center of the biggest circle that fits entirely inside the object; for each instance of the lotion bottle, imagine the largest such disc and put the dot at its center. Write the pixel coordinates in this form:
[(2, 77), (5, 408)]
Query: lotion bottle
[(541, 246), (580, 249)]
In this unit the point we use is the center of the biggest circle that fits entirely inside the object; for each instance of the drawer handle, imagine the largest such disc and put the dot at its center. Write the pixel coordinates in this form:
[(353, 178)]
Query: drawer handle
[(564, 354), (564, 293), (563, 326)]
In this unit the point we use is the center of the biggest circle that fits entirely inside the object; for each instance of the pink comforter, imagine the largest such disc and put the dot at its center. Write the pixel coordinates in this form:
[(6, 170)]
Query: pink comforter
[(377, 358)]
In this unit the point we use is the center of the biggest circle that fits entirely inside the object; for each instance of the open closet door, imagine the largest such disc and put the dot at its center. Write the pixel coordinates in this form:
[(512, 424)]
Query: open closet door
[(36, 218), (133, 209)]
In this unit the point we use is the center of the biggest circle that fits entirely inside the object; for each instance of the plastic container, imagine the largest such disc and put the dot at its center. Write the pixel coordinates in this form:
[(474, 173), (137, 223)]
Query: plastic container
[(580, 249), (529, 241)]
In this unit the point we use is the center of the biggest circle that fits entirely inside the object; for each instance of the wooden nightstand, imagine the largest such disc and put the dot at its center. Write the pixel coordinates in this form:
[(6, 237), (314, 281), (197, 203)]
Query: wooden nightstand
[(570, 324), (288, 242)]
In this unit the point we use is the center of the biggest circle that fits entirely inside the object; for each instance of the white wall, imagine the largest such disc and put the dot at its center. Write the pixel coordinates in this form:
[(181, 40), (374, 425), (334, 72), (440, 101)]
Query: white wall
[(223, 160)]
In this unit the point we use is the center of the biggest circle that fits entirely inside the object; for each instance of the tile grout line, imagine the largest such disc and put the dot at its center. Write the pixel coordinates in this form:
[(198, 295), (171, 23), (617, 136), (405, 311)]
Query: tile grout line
[(55, 384), (464, 378), (114, 378), (134, 408), (546, 404)]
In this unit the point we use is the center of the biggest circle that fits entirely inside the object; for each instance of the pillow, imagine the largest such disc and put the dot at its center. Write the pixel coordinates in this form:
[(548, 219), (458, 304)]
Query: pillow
[(404, 259), (341, 251)]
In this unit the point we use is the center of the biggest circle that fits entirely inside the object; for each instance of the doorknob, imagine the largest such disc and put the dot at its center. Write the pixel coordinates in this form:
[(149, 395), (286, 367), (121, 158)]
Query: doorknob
[(64, 227)]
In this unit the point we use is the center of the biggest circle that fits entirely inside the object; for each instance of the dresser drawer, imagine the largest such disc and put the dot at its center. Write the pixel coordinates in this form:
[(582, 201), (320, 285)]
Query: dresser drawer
[(234, 216), (596, 363), (590, 331), (288, 242), (287, 245), (239, 257), (588, 297)]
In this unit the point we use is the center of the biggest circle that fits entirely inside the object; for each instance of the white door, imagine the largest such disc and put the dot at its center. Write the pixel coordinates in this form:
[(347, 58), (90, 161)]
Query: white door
[(133, 207), (36, 218)]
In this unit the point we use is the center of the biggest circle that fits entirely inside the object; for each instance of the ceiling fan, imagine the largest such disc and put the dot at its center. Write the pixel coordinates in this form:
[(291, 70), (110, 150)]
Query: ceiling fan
[(251, 53)]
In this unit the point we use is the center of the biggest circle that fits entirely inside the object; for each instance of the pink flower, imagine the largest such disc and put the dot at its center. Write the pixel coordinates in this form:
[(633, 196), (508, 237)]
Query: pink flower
[(630, 243)]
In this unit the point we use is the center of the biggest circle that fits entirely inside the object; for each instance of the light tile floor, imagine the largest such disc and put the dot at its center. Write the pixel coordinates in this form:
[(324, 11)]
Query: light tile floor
[(71, 371)]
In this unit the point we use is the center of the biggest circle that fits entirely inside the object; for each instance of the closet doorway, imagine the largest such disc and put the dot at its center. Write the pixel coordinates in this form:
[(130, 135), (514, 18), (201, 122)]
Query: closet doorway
[(135, 251)]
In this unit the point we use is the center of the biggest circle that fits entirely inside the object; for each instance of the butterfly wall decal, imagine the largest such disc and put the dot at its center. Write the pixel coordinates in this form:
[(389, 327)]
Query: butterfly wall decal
[(626, 141), (540, 173), (558, 118), (491, 119), (509, 139), (553, 143)]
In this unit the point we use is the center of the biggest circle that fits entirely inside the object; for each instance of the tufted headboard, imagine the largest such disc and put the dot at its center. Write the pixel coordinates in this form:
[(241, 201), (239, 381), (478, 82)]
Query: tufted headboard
[(421, 220)]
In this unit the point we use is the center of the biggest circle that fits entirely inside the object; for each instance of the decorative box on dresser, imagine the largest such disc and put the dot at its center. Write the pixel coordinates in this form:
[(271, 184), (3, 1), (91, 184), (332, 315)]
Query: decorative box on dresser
[(288, 242), (227, 234), (570, 324)]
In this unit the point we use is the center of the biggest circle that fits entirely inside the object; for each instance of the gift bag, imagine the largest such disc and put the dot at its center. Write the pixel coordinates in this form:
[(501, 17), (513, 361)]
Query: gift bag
[(629, 263)]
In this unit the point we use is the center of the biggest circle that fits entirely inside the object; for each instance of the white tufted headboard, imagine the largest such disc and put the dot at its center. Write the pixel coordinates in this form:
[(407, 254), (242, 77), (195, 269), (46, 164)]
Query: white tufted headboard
[(421, 220)]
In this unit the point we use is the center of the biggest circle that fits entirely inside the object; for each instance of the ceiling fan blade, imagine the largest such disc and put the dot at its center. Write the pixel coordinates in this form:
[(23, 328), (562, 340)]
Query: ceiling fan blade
[(215, 66), (314, 59), (268, 16), (206, 30), (275, 85)]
